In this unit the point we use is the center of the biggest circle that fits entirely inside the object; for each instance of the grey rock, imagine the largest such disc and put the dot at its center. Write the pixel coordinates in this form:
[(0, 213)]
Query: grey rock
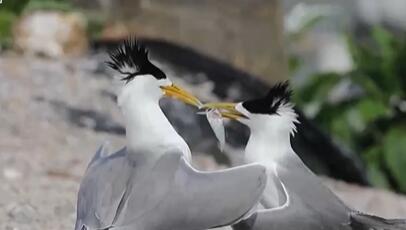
[(22, 213)]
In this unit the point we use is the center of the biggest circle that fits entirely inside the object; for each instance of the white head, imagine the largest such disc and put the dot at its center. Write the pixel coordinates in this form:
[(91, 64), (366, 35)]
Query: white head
[(272, 112), (143, 80)]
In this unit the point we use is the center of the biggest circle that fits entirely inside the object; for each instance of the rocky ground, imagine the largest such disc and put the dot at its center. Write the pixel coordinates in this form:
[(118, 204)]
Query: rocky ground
[(54, 115)]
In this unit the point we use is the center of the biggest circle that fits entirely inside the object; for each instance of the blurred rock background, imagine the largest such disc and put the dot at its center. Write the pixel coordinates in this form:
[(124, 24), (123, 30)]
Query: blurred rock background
[(221, 29), (57, 98)]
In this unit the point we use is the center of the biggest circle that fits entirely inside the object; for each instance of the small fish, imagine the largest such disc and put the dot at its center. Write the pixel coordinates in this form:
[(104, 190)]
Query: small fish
[(216, 122)]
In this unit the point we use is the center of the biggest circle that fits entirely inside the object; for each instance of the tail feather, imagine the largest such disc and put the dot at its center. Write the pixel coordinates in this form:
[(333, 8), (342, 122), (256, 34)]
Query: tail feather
[(361, 221)]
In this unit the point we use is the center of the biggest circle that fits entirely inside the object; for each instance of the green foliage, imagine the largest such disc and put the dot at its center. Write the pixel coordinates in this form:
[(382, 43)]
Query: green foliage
[(9, 10), (95, 24), (317, 87), (13, 6), (6, 21), (58, 5), (394, 147), (372, 122)]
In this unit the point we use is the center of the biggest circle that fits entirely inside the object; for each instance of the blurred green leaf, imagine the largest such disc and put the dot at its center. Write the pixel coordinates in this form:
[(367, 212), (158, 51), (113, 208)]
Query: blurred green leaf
[(370, 87), (13, 6), (370, 109), (317, 88), (377, 176), (375, 61), (334, 119), (375, 173), (59, 5), (294, 63), (385, 42), (395, 154), (355, 120), (367, 65), (399, 65), (95, 25), (340, 127), (387, 52), (7, 19)]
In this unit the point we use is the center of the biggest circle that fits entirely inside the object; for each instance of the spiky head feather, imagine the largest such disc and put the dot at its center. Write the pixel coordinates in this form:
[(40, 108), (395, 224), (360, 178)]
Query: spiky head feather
[(278, 96), (131, 60)]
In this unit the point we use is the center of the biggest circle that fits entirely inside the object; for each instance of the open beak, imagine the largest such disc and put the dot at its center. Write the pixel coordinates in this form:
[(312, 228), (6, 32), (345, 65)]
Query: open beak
[(181, 94), (227, 110)]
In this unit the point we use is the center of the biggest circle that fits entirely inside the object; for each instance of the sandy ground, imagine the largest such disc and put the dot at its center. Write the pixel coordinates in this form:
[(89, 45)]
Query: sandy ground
[(47, 136)]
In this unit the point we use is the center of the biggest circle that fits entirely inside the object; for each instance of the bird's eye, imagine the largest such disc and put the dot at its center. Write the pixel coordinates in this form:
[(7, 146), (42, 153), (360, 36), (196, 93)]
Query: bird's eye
[(129, 77)]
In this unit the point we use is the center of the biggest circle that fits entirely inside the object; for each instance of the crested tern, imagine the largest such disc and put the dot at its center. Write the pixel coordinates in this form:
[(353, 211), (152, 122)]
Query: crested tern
[(150, 184), (294, 198)]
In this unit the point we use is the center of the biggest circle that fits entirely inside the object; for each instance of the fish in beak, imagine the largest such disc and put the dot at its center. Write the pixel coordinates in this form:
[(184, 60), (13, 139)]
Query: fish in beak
[(226, 109)]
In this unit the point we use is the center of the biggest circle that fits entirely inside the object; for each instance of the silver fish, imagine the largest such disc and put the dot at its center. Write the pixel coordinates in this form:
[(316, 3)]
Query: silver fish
[(216, 123)]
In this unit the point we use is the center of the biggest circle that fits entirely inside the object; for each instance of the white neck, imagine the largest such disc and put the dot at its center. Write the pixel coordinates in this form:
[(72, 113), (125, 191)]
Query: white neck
[(147, 126), (267, 144), (270, 137)]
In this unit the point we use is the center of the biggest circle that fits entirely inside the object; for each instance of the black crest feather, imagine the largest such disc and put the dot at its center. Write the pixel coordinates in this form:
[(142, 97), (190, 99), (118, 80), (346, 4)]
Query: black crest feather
[(281, 91), (278, 95), (131, 59)]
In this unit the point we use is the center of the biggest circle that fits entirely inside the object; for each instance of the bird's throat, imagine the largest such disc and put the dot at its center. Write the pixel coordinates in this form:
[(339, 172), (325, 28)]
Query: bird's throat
[(148, 128), (267, 145)]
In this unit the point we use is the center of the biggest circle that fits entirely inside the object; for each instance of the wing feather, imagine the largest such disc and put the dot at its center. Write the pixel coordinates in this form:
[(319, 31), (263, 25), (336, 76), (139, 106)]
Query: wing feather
[(102, 188)]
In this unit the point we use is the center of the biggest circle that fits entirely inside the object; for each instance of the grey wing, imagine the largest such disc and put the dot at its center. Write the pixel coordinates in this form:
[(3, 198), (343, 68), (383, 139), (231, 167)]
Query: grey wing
[(146, 203), (288, 216), (102, 190), (302, 209), (211, 199), (310, 192)]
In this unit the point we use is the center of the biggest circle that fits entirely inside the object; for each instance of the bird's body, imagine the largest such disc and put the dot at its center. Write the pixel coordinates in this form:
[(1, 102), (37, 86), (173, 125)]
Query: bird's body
[(294, 197), (150, 184)]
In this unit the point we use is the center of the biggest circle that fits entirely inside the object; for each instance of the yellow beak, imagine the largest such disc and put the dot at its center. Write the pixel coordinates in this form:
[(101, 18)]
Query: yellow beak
[(181, 94), (227, 109)]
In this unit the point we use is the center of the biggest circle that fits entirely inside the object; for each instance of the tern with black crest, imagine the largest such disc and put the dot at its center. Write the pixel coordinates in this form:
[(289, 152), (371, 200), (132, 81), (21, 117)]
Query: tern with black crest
[(150, 184), (294, 197)]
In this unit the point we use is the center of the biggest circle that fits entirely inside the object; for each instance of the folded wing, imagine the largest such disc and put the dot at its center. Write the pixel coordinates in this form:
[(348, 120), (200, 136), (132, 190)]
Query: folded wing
[(102, 190), (201, 200)]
